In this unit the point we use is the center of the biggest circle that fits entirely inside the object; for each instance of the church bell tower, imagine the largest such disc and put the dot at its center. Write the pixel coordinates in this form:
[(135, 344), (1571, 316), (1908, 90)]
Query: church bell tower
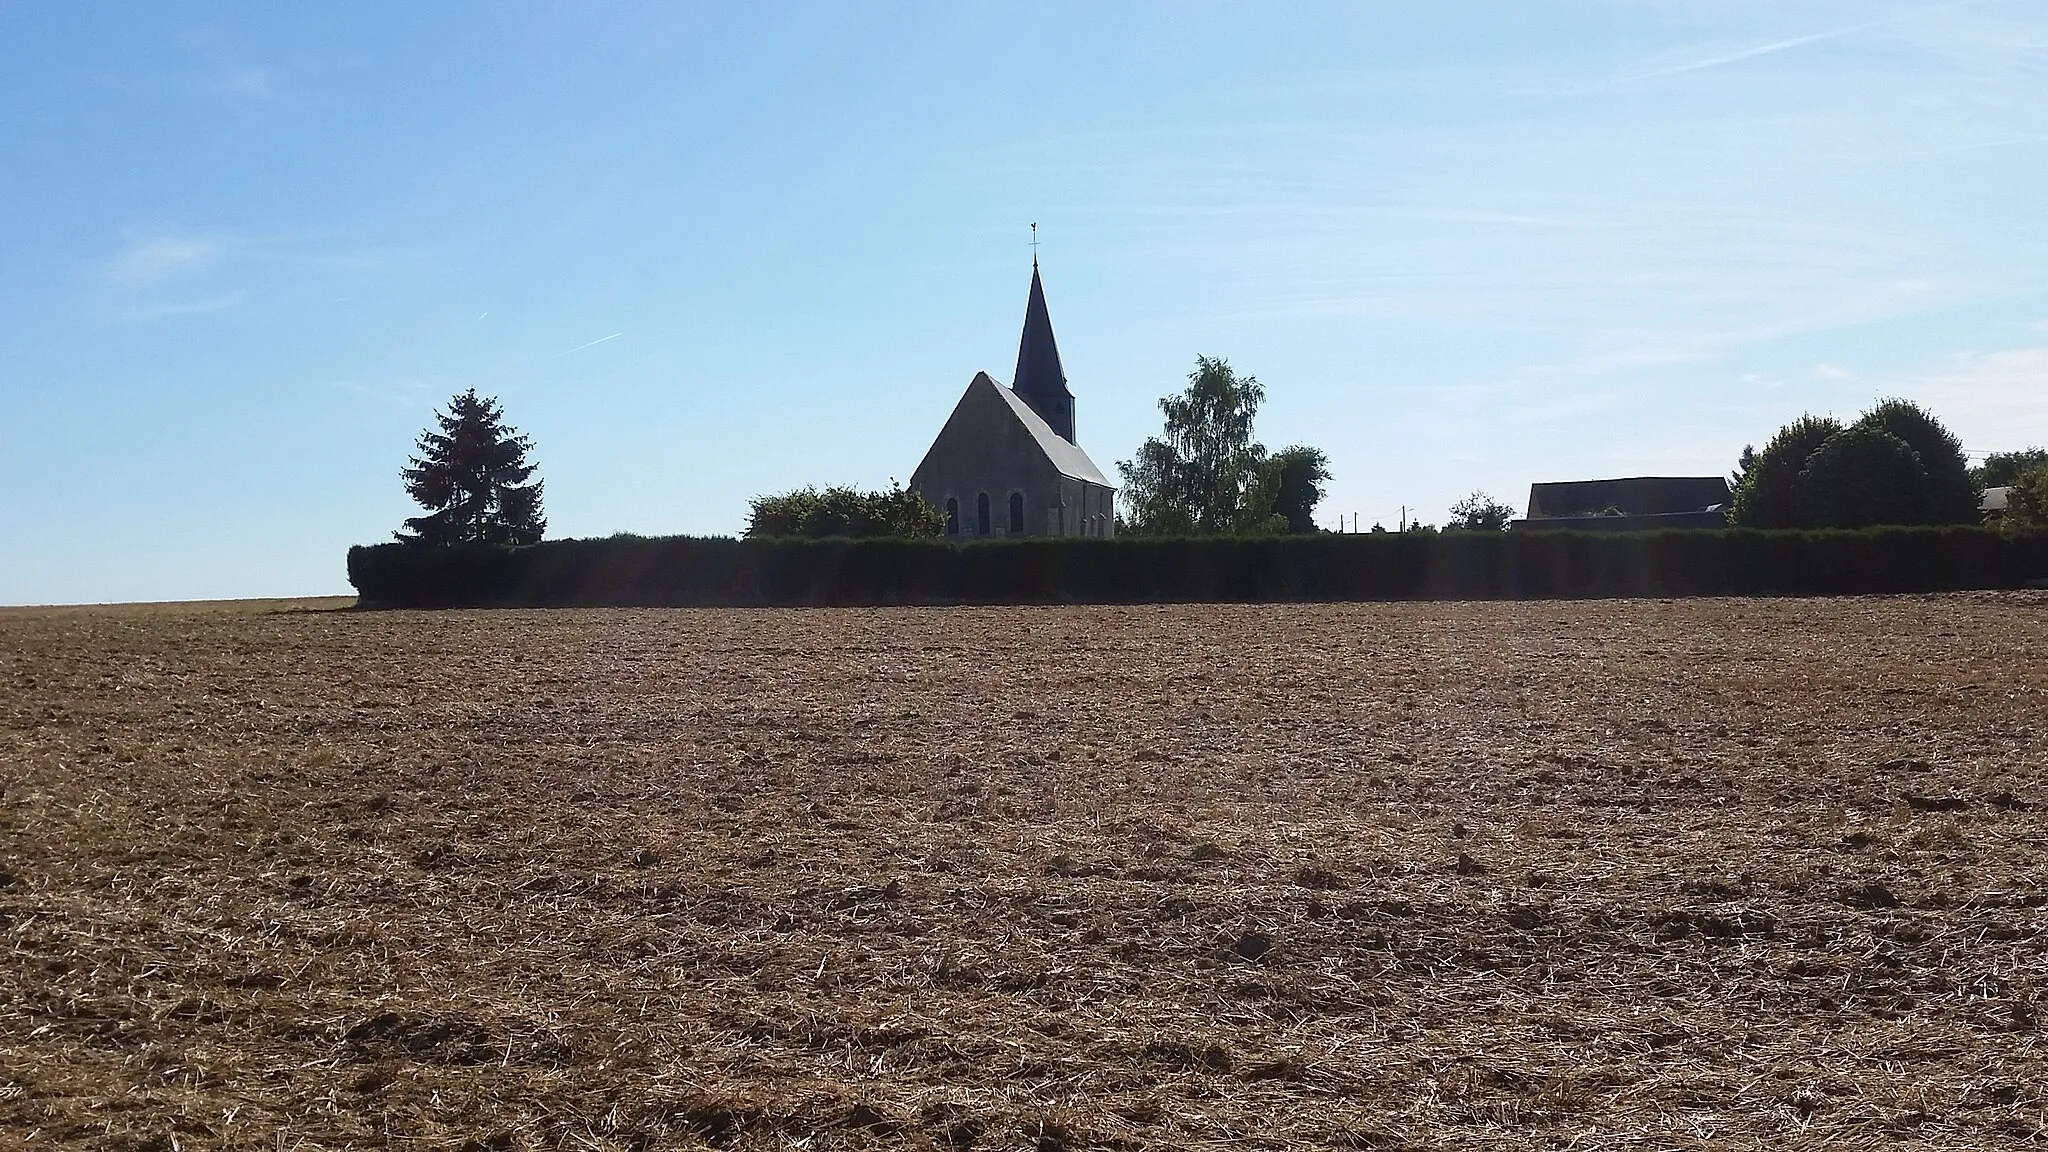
[(1039, 380)]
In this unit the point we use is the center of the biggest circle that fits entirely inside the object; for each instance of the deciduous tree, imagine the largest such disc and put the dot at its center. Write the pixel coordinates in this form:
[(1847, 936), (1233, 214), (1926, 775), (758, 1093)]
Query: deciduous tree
[(1301, 474), (1206, 475), (2026, 502), (1863, 476), (1192, 479), (1772, 486), (1951, 496), (2003, 469), (1767, 494), (1479, 513)]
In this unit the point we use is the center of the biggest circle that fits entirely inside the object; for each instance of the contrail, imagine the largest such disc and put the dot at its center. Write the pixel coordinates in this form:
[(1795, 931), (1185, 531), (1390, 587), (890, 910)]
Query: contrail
[(1781, 45), (599, 340), (1746, 53)]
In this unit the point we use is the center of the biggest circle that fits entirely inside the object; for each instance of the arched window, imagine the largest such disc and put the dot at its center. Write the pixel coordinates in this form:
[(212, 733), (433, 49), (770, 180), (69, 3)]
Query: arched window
[(952, 516), (1016, 512), (981, 525)]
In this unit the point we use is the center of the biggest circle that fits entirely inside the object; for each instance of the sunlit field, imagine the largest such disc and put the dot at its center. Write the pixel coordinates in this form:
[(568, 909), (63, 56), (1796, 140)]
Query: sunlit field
[(1638, 874)]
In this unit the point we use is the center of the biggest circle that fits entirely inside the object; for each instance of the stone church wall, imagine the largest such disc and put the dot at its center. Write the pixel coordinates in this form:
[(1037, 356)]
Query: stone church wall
[(983, 450)]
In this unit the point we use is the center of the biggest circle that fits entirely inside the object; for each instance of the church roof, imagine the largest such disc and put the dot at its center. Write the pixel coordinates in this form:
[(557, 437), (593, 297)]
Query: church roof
[(1038, 355), (1065, 456)]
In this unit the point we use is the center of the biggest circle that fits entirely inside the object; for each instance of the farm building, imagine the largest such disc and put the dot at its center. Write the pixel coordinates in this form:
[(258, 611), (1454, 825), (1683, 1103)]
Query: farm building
[(1994, 503), (1006, 463), (1631, 503)]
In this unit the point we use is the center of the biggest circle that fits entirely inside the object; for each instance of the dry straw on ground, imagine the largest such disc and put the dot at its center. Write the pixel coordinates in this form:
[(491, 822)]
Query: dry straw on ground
[(1597, 875)]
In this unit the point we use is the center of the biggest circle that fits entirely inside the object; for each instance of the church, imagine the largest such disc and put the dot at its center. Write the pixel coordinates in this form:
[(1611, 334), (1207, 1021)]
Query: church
[(1007, 463)]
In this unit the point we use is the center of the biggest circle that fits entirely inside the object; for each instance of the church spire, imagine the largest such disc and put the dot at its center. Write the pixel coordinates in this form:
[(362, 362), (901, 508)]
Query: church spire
[(1039, 380)]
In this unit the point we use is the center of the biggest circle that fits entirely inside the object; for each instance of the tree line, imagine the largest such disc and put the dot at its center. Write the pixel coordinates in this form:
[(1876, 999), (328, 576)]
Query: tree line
[(1207, 474), (1895, 465)]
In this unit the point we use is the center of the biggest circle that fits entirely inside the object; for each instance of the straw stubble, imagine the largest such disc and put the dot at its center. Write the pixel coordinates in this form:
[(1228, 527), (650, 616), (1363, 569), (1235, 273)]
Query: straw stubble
[(1626, 874)]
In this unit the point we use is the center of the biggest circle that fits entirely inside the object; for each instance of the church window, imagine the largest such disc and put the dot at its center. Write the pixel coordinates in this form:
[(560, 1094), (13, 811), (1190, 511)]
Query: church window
[(952, 516), (981, 524), (1016, 512)]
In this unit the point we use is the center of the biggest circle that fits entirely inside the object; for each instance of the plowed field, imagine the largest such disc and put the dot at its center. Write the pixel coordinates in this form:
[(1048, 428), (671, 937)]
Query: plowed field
[(1607, 874)]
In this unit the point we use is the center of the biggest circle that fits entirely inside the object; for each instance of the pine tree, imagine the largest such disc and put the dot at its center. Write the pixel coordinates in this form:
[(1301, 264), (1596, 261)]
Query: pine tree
[(472, 476)]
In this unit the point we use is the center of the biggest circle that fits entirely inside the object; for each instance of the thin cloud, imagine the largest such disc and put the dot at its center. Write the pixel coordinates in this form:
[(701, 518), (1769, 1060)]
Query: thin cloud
[(245, 83), (150, 262), (2001, 142), (405, 392), (1993, 400), (171, 308)]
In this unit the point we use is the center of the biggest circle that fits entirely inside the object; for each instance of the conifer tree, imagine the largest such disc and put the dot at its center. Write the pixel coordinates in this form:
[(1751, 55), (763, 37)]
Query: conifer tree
[(472, 477)]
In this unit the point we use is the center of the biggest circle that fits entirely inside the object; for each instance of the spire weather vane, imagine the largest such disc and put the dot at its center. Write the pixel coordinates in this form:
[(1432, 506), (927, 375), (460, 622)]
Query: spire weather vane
[(1034, 244)]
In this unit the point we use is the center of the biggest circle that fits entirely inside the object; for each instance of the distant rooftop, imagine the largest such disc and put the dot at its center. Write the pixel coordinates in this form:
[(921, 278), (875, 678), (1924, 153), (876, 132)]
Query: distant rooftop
[(1627, 496)]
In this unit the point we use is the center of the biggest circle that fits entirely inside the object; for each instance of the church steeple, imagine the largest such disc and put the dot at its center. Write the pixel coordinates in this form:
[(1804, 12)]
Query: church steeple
[(1039, 380)]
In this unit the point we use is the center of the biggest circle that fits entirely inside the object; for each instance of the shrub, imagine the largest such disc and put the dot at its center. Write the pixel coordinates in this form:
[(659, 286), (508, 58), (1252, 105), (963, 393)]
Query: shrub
[(844, 512)]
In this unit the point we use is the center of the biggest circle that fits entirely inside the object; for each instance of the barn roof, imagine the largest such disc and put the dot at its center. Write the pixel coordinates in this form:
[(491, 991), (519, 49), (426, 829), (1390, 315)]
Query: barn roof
[(1629, 495)]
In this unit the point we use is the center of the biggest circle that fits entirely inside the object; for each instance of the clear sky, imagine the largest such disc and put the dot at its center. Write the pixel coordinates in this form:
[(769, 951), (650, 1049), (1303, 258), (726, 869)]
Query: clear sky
[(705, 252)]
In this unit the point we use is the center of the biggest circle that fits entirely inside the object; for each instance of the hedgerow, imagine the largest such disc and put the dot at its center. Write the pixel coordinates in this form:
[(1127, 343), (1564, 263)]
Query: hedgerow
[(685, 571)]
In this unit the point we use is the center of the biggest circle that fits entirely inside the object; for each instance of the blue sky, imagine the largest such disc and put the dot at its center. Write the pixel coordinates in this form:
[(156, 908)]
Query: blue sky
[(705, 252)]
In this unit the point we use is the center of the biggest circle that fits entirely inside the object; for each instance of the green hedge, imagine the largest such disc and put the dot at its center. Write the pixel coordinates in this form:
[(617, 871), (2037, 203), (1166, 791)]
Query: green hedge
[(683, 570)]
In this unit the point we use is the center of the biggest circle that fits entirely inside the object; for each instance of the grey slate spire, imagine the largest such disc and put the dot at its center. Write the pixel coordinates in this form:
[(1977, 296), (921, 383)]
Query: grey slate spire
[(1039, 380)]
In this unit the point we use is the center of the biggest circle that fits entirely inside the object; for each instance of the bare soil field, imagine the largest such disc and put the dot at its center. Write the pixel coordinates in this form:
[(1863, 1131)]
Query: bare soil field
[(1621, 874)]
